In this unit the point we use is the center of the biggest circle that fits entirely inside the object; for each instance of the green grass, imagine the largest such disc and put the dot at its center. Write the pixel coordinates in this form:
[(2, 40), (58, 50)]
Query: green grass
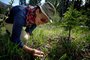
[(49, 38)]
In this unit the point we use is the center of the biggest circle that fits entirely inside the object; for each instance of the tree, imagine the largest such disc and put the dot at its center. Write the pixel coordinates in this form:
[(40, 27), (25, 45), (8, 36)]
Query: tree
[(22, 2), (87, 4), (72, 19), (54, 2), (60, 5), (34, 2), (11, 2)]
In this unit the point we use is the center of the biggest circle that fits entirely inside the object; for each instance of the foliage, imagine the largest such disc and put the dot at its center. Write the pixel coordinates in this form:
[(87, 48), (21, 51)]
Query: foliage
[(11, 2), (73, 18), (53, 39), (2, 10), (87, 13), (34, 2), (22, 2)]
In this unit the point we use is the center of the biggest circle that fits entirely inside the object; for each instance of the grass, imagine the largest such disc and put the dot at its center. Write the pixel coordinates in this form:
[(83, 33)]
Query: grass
[(49, 38)]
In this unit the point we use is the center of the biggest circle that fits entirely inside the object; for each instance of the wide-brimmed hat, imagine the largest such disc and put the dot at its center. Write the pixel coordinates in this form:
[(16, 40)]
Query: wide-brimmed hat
[(48, 9)]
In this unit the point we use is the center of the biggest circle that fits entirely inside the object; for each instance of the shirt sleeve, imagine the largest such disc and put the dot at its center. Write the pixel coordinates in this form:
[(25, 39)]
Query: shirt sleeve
[(29, 29), (17, 28)]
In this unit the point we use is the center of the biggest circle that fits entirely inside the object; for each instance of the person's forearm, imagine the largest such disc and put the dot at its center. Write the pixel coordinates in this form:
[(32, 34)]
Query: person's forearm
[(28, 49), (34, 52)]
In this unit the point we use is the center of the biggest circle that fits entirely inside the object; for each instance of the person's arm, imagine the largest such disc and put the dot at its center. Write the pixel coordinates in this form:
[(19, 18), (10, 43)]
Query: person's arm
[(34, 52), (29, 29), (17, 28)]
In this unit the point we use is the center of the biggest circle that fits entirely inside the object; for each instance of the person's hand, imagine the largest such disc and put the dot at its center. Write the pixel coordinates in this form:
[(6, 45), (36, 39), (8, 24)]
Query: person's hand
[(34, 52), (38, 53)]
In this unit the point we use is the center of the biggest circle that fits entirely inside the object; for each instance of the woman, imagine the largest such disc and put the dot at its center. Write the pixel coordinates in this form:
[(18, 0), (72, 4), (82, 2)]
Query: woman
[(28, 17)]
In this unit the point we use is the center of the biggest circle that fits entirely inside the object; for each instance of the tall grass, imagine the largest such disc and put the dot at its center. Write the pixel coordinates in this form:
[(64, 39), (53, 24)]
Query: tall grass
[(50, 38)]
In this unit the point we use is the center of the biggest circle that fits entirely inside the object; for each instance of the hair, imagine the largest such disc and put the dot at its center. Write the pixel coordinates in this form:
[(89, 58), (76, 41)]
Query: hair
[(37, 7)]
